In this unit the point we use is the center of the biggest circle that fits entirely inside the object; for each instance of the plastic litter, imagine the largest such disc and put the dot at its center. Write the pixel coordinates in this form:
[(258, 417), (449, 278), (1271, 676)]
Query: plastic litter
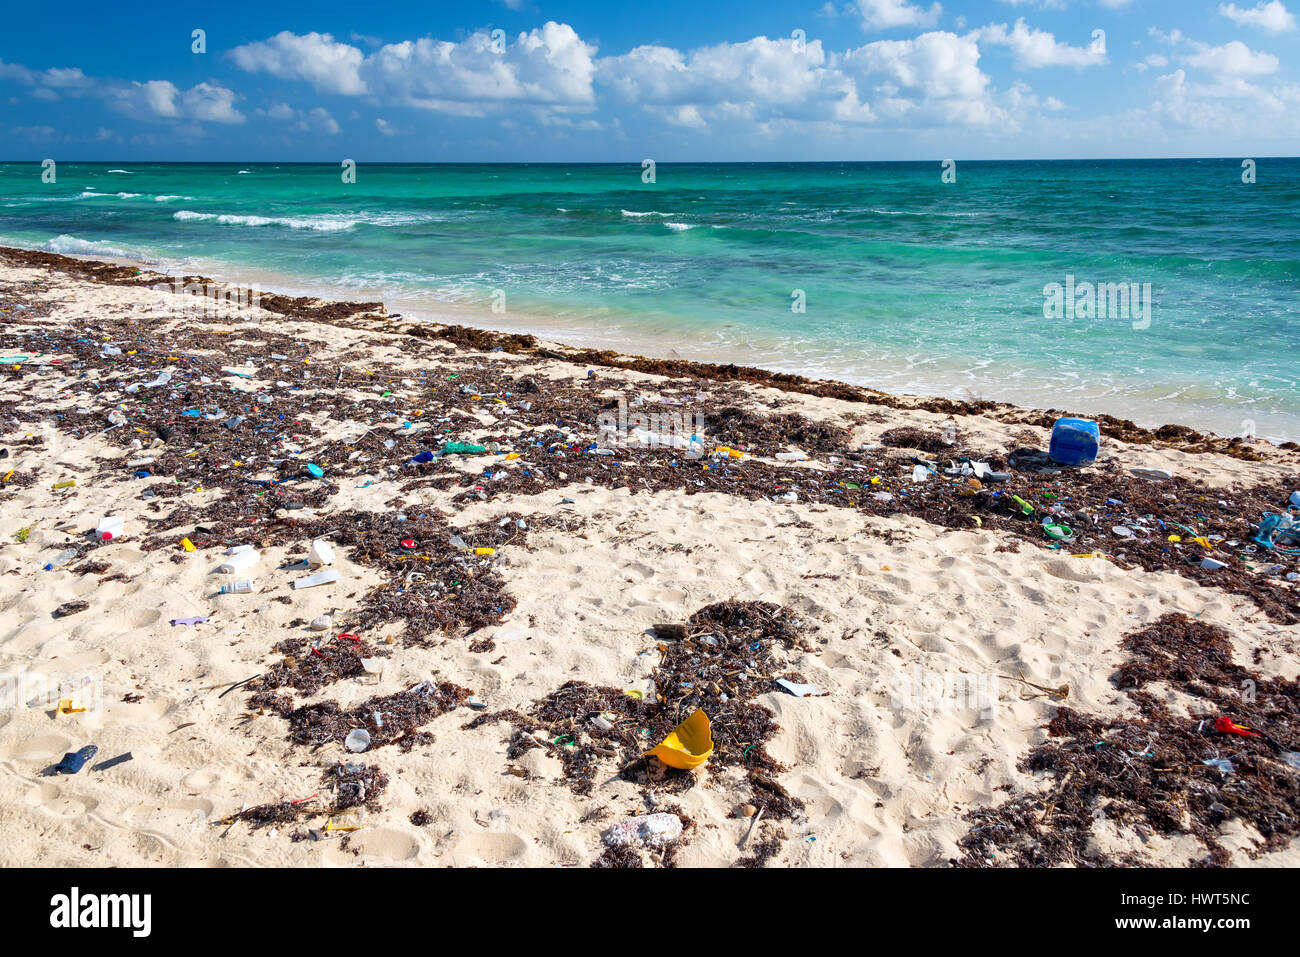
[(358, 740), (109, 528), (320, 553), (1075, 442), (326, 577), (242, 587), (239, 561), (798, 690), (74, 761), (688, 745), (650, 830)]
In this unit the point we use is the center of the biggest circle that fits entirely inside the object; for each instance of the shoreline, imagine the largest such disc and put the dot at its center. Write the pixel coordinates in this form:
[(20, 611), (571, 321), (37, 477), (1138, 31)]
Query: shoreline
[(503, 584), (1111, 426), (453, 313)]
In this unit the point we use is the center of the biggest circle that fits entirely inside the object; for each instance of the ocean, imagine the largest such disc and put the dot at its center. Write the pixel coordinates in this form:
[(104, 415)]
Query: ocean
[(879, 274)]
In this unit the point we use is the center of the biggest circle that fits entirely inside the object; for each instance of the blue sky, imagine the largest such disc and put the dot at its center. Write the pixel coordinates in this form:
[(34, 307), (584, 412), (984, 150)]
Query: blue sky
[(670, 79)]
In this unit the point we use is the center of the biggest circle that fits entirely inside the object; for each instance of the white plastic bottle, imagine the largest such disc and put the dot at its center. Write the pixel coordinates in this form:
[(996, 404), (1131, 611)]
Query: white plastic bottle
[(242, 587), (239, 561)]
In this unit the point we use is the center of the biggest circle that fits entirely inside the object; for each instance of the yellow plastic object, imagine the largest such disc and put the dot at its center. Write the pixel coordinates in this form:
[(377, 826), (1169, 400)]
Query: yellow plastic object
[(485, 551), (70, 706), (689, 745), (187, 544)]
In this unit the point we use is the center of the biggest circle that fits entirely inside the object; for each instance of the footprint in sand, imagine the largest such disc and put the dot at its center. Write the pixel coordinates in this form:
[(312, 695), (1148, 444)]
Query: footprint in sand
[(491, 848), (386, 843), (189, 813), (45, 747), (54, 801), (649, 593), (144, 617), (201, 778), (117, 713)]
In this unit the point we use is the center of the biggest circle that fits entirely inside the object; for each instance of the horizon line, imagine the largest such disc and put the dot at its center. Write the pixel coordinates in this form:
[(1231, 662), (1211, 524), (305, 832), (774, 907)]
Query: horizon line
[(765, 162)]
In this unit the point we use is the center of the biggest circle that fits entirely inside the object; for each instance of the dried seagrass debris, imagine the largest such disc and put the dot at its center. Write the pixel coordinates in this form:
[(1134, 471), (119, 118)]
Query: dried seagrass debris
[(728, 653), (388, 719), (1154, 771), (354, 785), (620, 856), (764, 849), (198, 451), (309, 666), (913, 438)]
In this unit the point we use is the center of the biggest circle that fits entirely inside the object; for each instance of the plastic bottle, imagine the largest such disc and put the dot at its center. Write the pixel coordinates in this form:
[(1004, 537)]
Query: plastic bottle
[(242, 587), (61, 559), (109, 528), (239, 561)]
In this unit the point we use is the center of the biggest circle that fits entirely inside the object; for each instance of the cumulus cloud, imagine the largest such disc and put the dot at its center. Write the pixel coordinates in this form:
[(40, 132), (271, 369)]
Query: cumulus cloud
[(1233, 59), (315, 120), (547, 65), (1273, 17), (766, 78), (147, 100), (161, 99), (1034, 49), (329, 66), (888, 14)]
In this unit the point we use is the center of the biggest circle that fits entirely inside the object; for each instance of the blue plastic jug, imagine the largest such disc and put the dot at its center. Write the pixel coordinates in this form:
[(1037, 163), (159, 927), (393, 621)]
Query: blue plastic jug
[(1075, 442)]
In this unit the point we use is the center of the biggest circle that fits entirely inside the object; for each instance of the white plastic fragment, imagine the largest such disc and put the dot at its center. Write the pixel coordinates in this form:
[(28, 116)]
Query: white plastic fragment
[(649, 830), (326, 577)]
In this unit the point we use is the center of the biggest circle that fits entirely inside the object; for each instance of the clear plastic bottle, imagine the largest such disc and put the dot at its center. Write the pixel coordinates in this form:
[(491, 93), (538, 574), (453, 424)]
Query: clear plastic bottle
[(62, 559), (241, 587)]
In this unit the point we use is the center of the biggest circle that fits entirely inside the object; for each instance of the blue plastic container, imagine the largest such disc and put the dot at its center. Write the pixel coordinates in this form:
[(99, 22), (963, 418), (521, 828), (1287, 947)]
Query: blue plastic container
[(1075, 442)]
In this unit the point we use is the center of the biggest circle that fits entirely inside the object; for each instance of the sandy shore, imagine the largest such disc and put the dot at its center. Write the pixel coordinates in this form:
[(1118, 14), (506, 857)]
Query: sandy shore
[(894, 597)]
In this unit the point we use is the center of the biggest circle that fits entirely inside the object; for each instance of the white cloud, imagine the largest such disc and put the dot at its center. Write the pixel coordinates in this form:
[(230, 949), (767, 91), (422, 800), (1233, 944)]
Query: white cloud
[(1272, 17), (547, 65), (161, 99), (315, 120), (329, 66), (937, 74), (888, 14), (1034, 49), (1233, 59)]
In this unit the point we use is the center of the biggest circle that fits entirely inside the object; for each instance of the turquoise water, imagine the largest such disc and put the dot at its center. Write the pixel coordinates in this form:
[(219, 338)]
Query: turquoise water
[(910, 284)]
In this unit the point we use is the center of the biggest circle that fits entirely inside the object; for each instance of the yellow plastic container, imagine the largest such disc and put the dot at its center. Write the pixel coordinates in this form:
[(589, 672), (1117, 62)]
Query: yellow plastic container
[(689, 745)]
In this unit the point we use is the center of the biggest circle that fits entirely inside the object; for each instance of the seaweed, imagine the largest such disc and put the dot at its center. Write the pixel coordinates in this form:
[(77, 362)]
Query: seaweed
[(1151, 770)]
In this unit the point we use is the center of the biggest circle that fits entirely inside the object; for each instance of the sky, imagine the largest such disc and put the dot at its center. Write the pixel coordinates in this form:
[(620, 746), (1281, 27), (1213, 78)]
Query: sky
[(672, 80)]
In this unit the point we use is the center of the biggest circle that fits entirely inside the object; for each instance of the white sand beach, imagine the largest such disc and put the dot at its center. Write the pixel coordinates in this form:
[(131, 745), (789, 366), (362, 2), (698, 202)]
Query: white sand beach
[(886, 603)]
